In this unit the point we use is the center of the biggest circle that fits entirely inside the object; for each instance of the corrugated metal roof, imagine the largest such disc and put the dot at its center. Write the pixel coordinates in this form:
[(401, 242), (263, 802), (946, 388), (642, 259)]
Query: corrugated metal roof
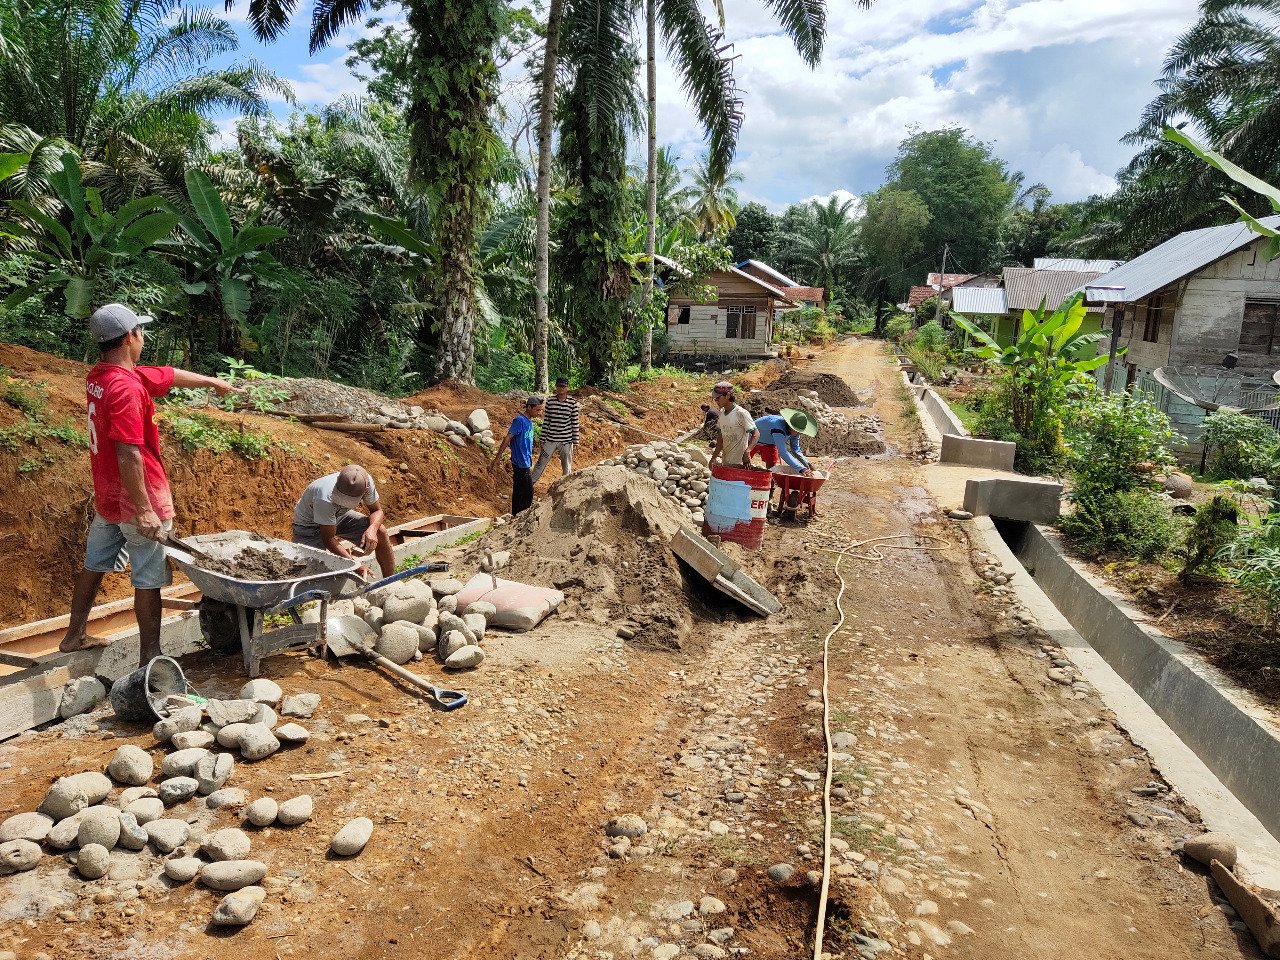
[(1072, 263), (671, 264), (968, 300), (1026, 287), (1172, 260), (780, 279)]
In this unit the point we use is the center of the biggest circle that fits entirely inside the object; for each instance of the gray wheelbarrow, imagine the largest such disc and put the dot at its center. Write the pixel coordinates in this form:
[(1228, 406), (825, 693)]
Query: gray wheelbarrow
[(349, 636)]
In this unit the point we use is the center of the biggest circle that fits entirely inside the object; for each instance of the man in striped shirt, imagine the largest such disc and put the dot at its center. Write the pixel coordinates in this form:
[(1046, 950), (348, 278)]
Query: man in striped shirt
[(559, 430)]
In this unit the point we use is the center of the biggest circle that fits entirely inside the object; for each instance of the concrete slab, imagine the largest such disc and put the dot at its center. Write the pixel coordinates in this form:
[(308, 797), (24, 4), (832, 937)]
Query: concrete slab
[(976, 452), (1176, 760), (1024, 498), (722, 572), (943, 417)]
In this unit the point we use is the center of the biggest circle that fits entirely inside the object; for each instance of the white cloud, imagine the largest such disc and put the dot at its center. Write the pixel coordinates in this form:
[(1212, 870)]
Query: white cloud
[(321, 84), (1051, 84)]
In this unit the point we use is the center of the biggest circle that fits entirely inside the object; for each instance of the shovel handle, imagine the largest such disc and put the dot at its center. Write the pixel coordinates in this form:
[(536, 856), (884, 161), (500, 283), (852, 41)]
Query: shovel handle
[(448, 699)]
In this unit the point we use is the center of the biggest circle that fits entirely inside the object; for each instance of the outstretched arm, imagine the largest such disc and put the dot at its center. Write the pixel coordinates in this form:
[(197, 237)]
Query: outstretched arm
[(189, 380)]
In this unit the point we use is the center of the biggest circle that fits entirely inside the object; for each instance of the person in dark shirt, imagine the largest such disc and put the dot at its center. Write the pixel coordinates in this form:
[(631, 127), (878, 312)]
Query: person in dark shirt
[(519, 440)]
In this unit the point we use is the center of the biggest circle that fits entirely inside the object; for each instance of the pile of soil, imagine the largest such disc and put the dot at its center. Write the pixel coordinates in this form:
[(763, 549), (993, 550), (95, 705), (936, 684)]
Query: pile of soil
[(269, 563), (838, 435), (601, 536), (829, 388)]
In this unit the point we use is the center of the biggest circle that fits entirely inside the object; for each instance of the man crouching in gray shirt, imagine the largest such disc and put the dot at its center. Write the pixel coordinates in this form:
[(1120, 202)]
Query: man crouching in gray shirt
[(326, 515)]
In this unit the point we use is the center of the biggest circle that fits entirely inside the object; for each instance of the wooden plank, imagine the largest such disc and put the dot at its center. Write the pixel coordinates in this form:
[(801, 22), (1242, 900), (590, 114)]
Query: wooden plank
[(101, 612)]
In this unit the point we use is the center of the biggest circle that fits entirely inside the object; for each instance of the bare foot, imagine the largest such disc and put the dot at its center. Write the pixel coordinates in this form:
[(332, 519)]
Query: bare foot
[(84, 643)]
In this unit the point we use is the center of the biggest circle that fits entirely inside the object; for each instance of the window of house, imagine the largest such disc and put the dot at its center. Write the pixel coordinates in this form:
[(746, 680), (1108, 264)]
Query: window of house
[(1155, 313), (684, 315), (1258, 330), (740, 323)]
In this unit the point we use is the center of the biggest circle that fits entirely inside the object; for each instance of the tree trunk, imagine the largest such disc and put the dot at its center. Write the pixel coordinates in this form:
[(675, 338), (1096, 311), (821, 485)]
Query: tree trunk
[(651, 191), (542, 230)]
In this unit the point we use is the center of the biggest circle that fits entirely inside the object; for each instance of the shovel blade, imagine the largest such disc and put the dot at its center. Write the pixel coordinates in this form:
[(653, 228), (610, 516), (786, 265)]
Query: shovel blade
[(349, 636)]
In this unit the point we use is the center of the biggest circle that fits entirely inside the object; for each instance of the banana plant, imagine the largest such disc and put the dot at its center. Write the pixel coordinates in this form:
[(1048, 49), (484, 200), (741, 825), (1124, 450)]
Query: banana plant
[(1241, 176), (224, 263), (82, 243), (1045, 362)]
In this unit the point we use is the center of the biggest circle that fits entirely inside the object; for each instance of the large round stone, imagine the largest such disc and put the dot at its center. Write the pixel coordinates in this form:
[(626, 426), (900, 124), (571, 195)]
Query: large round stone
[(26, 826), (99, 826), (131, 766), (226, 844), (262, 812), (93, 861), (182, 763), (262, 690), (257, 741), (168, 835), (398, 641), (351, 839), (232, 874), (146, 809), (17, 856), (70, 795), (296, 811), (465, 658)]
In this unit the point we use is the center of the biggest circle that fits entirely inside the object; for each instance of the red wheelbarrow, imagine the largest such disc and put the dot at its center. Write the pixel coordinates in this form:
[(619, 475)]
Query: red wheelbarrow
[(796, 491)]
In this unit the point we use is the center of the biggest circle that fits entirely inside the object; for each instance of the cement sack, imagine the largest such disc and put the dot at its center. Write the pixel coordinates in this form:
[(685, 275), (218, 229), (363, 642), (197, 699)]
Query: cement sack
[(519, 606)]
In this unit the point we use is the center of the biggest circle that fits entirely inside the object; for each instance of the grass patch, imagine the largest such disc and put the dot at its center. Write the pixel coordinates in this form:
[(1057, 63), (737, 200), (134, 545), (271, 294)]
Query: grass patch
[(729, 848), (865, 839), (632, 374), (196, 431), (31, 399), (846, 720)]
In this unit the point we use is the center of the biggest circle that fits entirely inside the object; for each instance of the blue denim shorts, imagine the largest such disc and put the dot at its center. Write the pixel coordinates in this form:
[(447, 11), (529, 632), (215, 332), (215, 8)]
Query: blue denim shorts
[(112, 546)]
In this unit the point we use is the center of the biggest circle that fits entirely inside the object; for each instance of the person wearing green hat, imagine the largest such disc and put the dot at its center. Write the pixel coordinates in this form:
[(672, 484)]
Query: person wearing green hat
[(780, 438)]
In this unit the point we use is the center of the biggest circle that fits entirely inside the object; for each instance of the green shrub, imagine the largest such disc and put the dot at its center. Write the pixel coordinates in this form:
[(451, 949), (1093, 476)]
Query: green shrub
[(931, 336), (1242, 446), (927, 363), (896, 327), (1213, 529), (1135, 523), (819, 332), (1255, 569), (196, 431), (1039, 449), (1115, 441)]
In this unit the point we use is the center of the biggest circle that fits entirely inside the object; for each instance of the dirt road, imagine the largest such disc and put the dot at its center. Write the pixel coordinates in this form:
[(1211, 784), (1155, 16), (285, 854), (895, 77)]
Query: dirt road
[(983, 810)]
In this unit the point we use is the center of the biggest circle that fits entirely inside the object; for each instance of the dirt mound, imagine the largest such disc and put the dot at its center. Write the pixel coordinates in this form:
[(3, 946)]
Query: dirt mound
[(829, 388), (601, 536), (838, 435)]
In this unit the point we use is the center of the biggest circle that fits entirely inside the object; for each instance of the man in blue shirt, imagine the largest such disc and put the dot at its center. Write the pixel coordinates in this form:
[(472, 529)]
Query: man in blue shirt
[(780, 437), (520, 440)]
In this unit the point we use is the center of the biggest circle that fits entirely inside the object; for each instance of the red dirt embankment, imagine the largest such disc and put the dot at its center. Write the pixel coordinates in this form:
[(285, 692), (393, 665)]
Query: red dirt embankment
[(45, 513)]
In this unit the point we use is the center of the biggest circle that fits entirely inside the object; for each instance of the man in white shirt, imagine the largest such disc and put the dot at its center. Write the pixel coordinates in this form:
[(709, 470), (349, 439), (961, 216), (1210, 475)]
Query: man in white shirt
[(738, 433)]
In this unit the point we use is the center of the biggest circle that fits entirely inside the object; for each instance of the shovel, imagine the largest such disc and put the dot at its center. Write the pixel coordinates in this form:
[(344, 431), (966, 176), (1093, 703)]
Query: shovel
[(349, 636), (173, 540)]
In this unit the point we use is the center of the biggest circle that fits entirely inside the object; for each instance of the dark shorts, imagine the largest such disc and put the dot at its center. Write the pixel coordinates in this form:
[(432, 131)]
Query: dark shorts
[(351, 526)]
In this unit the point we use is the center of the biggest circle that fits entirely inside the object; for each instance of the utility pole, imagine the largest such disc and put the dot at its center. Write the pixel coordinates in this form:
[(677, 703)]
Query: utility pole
[(942, 277)]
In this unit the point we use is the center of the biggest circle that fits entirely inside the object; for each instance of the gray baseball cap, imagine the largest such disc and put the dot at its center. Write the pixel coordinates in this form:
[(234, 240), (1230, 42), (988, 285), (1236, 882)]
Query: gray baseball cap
[(113, 320)]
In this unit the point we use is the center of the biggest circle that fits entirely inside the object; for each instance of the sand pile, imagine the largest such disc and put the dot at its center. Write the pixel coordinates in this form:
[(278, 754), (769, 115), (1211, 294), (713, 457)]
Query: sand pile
[(601, 536)]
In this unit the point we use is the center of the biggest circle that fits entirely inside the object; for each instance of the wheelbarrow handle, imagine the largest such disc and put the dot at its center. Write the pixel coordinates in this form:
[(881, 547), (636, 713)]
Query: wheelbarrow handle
[(305, 597), (402, 575)]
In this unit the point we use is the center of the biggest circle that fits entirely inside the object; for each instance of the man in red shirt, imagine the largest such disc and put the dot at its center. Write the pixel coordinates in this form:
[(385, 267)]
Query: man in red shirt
[(132, 502)]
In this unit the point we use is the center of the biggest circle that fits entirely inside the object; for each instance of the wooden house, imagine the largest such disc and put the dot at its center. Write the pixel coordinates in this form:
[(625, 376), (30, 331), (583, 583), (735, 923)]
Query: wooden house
[(1206, 304), (736, 323)]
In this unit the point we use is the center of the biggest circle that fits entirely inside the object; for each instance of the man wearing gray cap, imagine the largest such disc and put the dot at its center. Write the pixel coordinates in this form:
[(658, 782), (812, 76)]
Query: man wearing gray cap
[(132, 501), (326, 515)]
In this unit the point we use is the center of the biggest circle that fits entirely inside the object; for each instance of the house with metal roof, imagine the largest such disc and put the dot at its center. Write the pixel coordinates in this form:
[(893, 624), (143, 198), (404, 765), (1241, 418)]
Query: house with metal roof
[(1203, 302), (736, 322), (1000, 309)]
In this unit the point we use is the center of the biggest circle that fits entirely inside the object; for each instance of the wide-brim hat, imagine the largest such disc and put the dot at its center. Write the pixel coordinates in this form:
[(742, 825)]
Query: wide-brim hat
[(800, 422)]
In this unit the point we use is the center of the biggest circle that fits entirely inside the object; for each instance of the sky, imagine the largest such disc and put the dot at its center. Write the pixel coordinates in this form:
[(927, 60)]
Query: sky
[(1052, 85)]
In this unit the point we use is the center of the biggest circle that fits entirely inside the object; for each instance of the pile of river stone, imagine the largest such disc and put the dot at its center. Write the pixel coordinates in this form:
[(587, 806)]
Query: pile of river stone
[(397, 416), (413, 618), (682, 474), (80, 820)]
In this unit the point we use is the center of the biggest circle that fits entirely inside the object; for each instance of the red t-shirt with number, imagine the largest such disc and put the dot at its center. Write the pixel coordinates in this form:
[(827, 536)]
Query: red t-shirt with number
[(120, 409)]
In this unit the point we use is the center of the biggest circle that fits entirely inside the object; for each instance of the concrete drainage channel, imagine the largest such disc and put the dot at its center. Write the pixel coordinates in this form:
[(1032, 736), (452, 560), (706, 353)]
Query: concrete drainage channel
[(1211, 741)]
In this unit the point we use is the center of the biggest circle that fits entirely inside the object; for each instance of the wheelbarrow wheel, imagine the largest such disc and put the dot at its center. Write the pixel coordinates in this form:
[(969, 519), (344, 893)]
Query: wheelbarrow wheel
[(220, 626)]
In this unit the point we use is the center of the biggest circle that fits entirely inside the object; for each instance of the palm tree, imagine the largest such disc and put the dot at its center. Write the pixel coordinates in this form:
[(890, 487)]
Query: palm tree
[(712, 201), (125, 84), (826, 244), (542, 235)]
